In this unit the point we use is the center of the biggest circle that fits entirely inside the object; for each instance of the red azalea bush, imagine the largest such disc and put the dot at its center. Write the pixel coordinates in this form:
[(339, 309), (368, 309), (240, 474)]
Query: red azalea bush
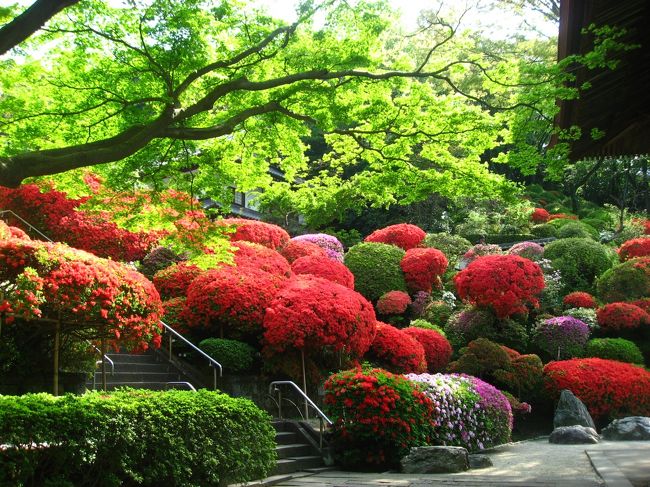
[(377, 417), (579, 299), (301, 248), (563, 216), (403, 235), (173, 281), (540, 215), (18, 233), (172, 314), (266, 234), (644, 304), (322, 266), (393, 303), (310, 313), (621, 316), (230, 299), (248, 254), (609, 389), (422, 268), (437, 349), (505, 283), (637, 247), (397, 351)]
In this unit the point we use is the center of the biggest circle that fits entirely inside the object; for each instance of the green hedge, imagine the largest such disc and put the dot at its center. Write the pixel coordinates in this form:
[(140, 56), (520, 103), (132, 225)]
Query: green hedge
[(376, 269), (134, 437), (233, 355), (614, 349)]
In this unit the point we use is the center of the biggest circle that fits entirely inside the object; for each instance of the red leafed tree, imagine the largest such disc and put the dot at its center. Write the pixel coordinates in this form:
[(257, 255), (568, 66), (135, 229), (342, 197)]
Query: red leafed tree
[(249, 254), (422, 268), (397, 351), (437, 349), (262, 233), (403, 235), (300, 248), (505, 283), (173, 281), (637, 247), (322, 266)]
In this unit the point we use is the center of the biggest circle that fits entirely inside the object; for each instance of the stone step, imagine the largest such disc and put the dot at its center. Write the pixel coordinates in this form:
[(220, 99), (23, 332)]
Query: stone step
[(290, 465), (131, 358), (293, 450), (286, 437), (139, 377), (154, 386), (140, 367)]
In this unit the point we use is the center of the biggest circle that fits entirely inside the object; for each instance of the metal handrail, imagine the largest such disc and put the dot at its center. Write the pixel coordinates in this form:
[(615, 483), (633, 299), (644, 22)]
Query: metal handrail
[(184, 383), (213, 363), (106, 357), (2, 212)]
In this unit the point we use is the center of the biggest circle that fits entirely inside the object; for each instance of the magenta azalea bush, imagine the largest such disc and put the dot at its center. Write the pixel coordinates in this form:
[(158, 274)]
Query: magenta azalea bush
[(562, 337), (528, 250), (332, 246)]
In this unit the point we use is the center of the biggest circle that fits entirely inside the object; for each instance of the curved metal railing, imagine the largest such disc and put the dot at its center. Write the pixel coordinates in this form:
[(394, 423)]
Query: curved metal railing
[(31, 227)]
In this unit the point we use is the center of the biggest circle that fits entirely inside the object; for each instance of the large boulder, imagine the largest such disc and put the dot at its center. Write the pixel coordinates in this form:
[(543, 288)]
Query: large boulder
[(571, 411), (635, 428), (436, 459), (573, 435), (479, 461)]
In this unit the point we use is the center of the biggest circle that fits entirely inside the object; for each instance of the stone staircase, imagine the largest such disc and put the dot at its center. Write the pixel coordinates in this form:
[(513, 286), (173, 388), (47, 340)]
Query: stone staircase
[(296, 448)]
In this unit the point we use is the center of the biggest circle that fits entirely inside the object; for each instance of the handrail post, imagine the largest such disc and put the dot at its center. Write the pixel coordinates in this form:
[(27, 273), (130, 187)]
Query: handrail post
[(214, 377), (279, 403), (170, 346)]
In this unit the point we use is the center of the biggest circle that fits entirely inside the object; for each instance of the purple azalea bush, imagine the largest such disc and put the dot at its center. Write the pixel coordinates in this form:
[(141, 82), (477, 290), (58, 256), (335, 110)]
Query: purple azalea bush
[(563, 337), (528, 250), (332, 246), (469, 412)]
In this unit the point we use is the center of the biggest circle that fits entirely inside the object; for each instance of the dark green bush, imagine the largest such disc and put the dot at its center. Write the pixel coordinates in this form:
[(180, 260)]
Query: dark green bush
[(598, 223), (473, 323), (499, 238), (579, 260), (437, 312), (614, 349), (627, 281), (233, 355), (576, 229), (134, 437), (453, 246), (376, 269), (544, 230)]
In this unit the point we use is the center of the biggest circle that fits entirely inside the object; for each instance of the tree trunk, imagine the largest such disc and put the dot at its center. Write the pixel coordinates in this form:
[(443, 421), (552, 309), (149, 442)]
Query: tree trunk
[(57, 347)]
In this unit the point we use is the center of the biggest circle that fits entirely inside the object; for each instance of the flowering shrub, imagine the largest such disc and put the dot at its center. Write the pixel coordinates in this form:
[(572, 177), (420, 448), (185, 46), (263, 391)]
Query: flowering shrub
[(422, 268), (301, 248), (579, 299), (644, 304), (481, 358), (173, 281), (638, 247), (586, 315), (396, 350), (266, 234), (321, 266), (453, 246), (233, 298), (527, 250), (403, 235), (438, 312), (468, 412), (157, 259), (172, 313), (332, 246), (393, 303), (420, 323), (377, 417), (376, 269), (561, 216), (505, 283), (17, 233), (473, 323), (311, 313), (248, 254), (540, 215), (55, 281), (616, 317), (437, 350), (562, 337), (608, 388), (480, 250), (618, 349), (419, 302), (627, 281)]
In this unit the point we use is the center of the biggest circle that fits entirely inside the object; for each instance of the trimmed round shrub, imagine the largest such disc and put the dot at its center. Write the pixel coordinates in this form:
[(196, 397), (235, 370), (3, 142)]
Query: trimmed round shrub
[(473, 323), (233, 355), (527, 250), (578, 230), (627, 281), (644, 304), (437, 312), (616, 317), (544, 230), (424, 324), (173, 281), (540, 215), (376, 269), (637, 247), (329, 269), (453, 246), (378, 417), (330, 244), (396, 350), (266, 234), (393, 303), (618, 349), (579, 299), (480, 250), (481, 357), (561, 219), (579, 260), (562, 337), (505, 283), (419, 302), (248, 254), (437, 349), (172, 313), (608, 388), (469, 412), (586, 315), (301, 248), (403, 235), (159, 258), (422, 268)]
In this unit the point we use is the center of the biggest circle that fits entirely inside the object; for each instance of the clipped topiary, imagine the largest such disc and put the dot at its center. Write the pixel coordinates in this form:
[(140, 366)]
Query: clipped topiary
[(437, 349), (473, 323), (618, 317), (173, 281), (562, 337), (396, 351), (637, 247), (579, 299), (257, 256), (403, 235), (527, 250), (540, 215), (618, 349), (422, 269), (579, 260), (321, 266), (301, 248), (233, 355), (376, 269), (544, 230), (578, 230), (627, 281), (266, 234), (330, 244), (586, 315), (393, 303), (420, 323)]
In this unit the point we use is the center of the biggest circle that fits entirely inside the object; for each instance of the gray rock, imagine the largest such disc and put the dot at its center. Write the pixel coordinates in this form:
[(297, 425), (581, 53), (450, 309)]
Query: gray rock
[(479, 461), (436, 459), (573, 435), (571, 411), (634, 428)]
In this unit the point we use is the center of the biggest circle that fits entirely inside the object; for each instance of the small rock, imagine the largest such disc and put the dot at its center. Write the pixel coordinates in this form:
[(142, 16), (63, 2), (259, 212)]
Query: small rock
[(573, 435), (634, 428), (571, 411), (479, 461), (436, 459)]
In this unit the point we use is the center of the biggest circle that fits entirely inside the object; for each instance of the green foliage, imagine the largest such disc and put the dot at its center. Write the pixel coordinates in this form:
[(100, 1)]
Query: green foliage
[(420, 323), (577, 229), (481, 357), (437, 312), (614, 349), (544, 230), (376, 269), (473, 323), (453, 246), (134, 437), (579, 260), (500, 238), (233, 355), (626, 281)]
